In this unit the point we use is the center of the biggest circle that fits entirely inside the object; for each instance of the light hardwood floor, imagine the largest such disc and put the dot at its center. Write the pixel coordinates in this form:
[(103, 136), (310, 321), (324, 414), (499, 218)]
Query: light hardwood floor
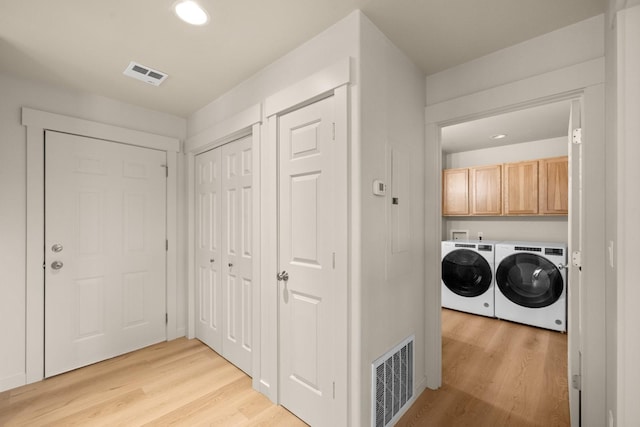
[(496, 373), (180, 382)]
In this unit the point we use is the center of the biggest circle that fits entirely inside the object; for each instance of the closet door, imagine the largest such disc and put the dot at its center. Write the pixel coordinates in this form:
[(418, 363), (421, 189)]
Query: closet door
[(208, 252), (237, 257), (224, 285)]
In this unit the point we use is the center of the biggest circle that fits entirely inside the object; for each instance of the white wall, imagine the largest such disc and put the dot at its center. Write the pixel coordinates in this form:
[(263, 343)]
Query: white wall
[(538, 229), (392, 285), (626, 95), (567, 46), (17, 93)]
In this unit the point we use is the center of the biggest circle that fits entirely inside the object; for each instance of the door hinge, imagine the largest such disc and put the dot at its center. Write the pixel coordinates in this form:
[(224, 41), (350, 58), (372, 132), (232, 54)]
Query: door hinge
[(166, 170), (334, 131), (576, 136), (576, 259), (334, 389), (576, 381), (166, 244), (334, 260), (166, 318)]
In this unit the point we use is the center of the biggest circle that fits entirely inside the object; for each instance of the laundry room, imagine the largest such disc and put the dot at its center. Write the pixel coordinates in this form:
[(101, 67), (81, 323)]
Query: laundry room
[(505, 229)]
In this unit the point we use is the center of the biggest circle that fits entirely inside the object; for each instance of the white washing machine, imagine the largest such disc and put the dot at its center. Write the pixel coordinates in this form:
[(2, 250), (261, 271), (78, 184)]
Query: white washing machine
[(531, 283), (467, 276)]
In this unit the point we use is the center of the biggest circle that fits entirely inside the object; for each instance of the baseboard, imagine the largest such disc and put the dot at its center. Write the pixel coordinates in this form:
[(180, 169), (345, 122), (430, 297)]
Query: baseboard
[(12, 381)]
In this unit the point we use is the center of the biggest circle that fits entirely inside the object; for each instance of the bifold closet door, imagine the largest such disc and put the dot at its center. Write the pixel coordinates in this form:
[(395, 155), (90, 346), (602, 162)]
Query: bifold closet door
[(224, 251)]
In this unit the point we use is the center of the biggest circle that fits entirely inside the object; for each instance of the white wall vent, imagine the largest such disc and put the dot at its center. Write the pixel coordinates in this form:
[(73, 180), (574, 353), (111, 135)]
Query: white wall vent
[(144, 73), (392, 383)]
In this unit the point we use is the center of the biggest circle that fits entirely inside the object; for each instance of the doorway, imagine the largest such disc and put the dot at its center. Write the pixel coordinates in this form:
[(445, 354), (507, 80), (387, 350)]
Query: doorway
[(530, 142)]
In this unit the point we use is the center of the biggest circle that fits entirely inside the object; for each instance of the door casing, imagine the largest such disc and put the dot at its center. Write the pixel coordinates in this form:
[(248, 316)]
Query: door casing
[(583, 81), (37, 122)]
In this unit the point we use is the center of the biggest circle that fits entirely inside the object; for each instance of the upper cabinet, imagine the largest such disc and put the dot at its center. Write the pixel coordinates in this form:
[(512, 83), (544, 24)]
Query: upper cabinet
[(521, 188), (530, 188), (554, 186), (485, 197), (455, 192)]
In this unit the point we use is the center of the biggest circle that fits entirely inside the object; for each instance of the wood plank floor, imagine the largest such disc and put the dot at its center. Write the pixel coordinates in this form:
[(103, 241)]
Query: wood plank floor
[(180, 382), (496, 373)]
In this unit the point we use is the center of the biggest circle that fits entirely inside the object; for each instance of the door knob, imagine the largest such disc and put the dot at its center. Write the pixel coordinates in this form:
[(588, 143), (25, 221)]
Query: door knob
[(56, 265), (283, 276)]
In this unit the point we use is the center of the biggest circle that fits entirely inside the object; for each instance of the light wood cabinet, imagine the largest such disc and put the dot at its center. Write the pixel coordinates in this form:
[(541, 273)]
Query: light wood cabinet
[(521, 188), (530, 188), (455, 191), (554, 186), (485, 184)]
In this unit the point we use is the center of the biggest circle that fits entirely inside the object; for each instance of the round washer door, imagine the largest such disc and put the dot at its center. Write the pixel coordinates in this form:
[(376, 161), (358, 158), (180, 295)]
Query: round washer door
[(529, 280), (466, 273)]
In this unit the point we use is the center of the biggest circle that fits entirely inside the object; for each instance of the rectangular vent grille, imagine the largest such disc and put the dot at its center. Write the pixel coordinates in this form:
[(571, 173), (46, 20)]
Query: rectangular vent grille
[(392, 383), (145, 74)]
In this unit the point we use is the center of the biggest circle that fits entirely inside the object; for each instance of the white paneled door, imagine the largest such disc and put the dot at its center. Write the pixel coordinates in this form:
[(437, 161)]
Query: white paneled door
[(224, 239), (105, 252), (307, 240)]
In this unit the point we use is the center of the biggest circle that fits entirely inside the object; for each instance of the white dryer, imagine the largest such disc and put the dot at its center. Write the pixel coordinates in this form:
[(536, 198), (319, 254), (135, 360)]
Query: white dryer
[(531, 284), (467, 276)]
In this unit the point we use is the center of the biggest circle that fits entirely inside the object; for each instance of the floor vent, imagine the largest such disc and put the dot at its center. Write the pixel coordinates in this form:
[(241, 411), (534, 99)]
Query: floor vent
[(144, 73), (392, 383)]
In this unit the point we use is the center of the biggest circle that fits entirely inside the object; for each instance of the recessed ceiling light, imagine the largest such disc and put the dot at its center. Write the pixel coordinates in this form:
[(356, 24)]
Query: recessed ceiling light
[(499, 136), (191, 12)]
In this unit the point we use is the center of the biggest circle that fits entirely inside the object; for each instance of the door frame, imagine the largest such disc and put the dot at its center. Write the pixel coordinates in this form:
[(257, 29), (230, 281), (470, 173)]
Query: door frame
[(584, 81), (332, 80), (37, 122), (245, 123)]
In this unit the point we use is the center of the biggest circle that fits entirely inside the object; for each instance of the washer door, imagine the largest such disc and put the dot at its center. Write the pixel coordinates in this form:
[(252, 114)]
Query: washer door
[(529, 280), (466, 273)]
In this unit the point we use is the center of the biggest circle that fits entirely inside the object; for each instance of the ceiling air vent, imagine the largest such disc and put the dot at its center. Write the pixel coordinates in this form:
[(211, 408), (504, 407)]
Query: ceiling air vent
[(144, 73)]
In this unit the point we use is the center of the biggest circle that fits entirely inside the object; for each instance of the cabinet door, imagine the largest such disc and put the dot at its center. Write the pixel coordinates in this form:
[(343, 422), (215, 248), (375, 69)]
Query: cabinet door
[(485, 190), (554, 186), (521, 188), (455, 192)]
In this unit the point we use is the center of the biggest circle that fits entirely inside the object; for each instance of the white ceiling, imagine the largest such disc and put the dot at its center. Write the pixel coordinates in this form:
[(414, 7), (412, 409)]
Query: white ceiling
[(532, 124), (86, 44)]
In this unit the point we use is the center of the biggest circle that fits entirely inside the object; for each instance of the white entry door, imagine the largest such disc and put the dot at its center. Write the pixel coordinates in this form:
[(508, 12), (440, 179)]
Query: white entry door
[(307, 245), (105, 254), (224, 255)]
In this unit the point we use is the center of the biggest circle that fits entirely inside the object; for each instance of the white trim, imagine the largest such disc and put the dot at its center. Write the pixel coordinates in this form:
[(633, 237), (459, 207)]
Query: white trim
[(509, 96), (67, 124), (269, 263), (305, 91), (245, 123), (12, 381), (628, 229), (172, 251), (225, 131), (37, 122), (584, 80)]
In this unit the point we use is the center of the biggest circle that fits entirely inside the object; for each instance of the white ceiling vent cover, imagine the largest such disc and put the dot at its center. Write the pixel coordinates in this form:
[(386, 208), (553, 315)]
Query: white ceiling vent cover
[(144, 73)]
